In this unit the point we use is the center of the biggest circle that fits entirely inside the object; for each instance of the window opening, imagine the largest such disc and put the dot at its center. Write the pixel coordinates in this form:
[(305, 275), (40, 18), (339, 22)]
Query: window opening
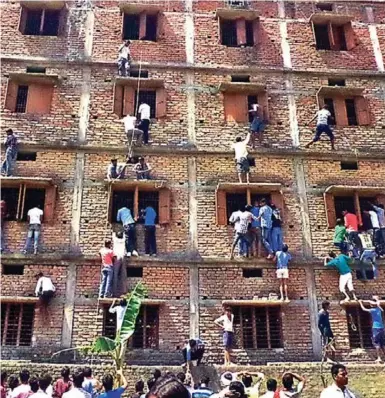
[(131, 27), (344, 203), (26, 156), (249, 33), (11, 197), (17, 324), (51, 22), (36, 69), (336, 82), (21, 99), (362, 337), (135, 73), (252, 273), (33, 22), (251, 99), (339, 37), (151, 27), (13, 269), (149, 97), (322, 37), (330, 103), (134, 272), (351, 112), (149, 198), (121, 199), (240, 78), (235, 202), (229, 33), (33, 198), (259, 196), (324, 7), (349, 165)]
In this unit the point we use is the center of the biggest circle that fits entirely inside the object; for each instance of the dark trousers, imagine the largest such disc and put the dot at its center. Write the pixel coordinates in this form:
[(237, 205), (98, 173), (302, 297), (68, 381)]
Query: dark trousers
[(196, 355), (130, 233), (46, 296), (144, 125), (150, 239)]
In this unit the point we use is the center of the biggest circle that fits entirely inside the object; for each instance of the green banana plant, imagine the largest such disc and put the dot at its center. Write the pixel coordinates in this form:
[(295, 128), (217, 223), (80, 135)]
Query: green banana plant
[(117, 348)]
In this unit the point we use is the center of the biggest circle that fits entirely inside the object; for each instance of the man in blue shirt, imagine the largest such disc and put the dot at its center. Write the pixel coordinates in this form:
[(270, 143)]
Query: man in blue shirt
[(255, 231), (378, 329), (283, 257), (125, 217), (108, 384), (193, 351), (149, 215), (265, 215)]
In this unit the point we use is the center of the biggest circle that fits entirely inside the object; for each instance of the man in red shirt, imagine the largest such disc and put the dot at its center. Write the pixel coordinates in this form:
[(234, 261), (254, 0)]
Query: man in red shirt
[(108, 257), (351, 224)]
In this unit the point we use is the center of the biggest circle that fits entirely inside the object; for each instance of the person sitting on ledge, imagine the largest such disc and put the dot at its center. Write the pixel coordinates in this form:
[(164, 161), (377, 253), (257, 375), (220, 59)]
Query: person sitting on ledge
[(116, 171), (142, 169)]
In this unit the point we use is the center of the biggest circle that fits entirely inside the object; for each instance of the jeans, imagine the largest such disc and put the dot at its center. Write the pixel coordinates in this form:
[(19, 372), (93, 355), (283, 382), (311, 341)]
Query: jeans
[(2, 244), (380, 240), (276, 239), (130, 233), (355, 243), (342, 246), (123, 66), (144, 125), (266, 237), (242, 242), (33, 231), (119, 278), (106, 284), (9, 162), (150, 239), (143, 176)]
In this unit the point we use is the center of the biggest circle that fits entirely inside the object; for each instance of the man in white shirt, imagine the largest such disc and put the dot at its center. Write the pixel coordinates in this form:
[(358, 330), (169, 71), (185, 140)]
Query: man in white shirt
[(77, 390), (23, 388), (134, 135), (34, 217), (45, 289), (119, 284), (226, 323), (115, 170), (119, 310), (241, 160), (339, 388), (289, 391), (144, 125), (242, 243), (44, 384), (124, 59), (322, 116), (271, 386)]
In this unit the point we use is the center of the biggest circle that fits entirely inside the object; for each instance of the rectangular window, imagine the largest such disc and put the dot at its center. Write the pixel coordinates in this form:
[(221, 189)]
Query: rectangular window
[(336, 82), (240, 78), (324, 7), (13, 269), (135, 73), (33, 197), (11, 198), (149, 198), (26, 156), (351, 112), (342, 203), (339, 38), (134, 272), (151, 27), (321, 33), (349, 165), (146, 329), (149, 97), (43, 22), (360, 336), (235, 202), (21, 99), (258, 327), (131, 27), (121, 199), (250, 33), (36, 69), (229, 33), (17, 324), (252, 272)]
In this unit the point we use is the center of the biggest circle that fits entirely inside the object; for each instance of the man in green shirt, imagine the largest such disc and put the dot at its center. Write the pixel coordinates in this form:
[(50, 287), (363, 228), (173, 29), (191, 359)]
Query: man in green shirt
[(339, 236), (341, 262)]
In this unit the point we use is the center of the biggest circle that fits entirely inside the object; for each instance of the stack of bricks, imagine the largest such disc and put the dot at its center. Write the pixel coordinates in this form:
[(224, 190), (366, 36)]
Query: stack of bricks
[(191, 152)]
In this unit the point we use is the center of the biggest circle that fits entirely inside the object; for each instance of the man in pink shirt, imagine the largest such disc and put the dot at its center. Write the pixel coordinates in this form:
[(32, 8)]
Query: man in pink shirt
[(107, 255), (351, 224)]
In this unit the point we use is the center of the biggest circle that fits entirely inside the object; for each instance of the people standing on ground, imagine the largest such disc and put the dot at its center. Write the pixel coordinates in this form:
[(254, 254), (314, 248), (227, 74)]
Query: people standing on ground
[(156, 374), (124, 59), (45, 289), (77, 390), (108, 257), (3, 212), (252, 388), (149, 215), (142, 169), (339, 388), (351, 224), (116, 171), (257, 125), (139, 389), (242, 228), (44, 387), (168, 386), (90, 383), (289, 390), (327, 336), (276, 229), (265, 215), (339, 236), (341, 262), (271, 386), (242, 242), (23, 387), (378, 329), (34, 217), (119, 310), (144, 112), (193, 350), (108, 384), (323, 116), (241, 158), (226, 323), (10, 144), (125, 217), (203, 390), (283, 258), (3, 384), (120, 271)]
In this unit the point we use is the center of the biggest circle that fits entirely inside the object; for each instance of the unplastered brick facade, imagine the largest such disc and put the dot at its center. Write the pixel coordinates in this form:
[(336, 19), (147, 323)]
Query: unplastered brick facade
[(191, 156)]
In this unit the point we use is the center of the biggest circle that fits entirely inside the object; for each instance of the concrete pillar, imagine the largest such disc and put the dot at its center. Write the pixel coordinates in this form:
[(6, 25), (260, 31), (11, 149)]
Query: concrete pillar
[(376, 48), (283, 31), (68, 315)]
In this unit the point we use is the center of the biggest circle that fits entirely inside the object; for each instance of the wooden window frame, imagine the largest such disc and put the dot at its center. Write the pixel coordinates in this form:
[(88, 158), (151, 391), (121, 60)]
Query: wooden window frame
[(239, 326), (164, 216), (144, 314), (240, 24), (4, 331), (277, 198), (49, 202), (331, 216), (62, 17), (142, 25)]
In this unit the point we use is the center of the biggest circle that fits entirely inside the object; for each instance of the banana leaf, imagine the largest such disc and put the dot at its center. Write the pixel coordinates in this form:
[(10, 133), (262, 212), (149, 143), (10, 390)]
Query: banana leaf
[(104, 344), (134, 301)]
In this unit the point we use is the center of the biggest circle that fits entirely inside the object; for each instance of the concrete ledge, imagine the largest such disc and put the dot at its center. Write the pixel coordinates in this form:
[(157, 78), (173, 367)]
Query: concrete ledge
[(19, 299)]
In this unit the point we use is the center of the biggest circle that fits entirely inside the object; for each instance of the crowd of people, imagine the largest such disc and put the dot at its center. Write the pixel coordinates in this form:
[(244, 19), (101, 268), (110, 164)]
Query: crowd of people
[(83, 384)]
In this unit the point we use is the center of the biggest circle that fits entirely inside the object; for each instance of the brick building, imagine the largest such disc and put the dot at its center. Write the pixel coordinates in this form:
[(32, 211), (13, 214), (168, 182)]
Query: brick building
[(201, 63)]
